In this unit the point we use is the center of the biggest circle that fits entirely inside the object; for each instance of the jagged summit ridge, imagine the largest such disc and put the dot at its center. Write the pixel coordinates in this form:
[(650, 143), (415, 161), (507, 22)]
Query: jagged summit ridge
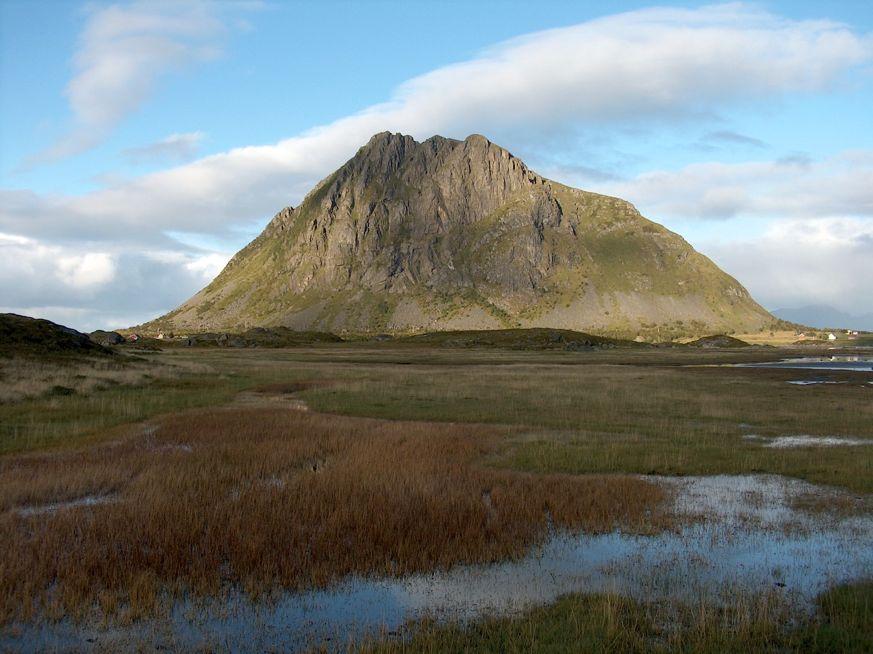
[(445, 234)]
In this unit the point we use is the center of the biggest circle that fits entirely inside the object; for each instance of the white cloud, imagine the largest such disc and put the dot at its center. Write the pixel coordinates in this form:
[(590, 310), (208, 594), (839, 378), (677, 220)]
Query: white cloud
[(89, 269), (122, 52), (801, 262), (87, 289), (173, 148), (208, 265), (64, 269), (203, 265)]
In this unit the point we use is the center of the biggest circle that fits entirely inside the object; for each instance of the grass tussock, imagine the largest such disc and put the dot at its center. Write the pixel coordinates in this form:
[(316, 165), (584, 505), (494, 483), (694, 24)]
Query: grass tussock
[(607, 623), (264, 498)]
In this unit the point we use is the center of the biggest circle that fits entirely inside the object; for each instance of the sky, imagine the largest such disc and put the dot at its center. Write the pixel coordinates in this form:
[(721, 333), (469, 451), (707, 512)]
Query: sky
[(143, 143)]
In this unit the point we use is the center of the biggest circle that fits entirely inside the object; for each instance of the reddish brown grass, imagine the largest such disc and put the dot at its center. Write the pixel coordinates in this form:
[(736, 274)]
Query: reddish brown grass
[(267, 498)]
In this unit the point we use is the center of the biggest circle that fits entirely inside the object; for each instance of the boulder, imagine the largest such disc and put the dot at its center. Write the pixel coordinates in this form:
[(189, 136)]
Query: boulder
[(106, 338)]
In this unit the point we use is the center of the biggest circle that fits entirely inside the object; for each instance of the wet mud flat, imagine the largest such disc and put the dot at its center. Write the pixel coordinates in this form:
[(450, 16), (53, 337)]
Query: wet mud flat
[(739, 535)]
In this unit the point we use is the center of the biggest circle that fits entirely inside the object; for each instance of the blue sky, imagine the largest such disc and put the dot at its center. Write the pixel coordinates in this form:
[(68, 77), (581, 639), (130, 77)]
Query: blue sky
[(142, 143)]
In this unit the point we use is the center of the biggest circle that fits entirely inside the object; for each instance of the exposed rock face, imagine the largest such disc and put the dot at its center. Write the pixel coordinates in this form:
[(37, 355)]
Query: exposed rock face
[(450, 234)]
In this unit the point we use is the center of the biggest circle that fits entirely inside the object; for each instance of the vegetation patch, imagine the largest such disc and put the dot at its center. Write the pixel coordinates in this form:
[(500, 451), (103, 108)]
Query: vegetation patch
[(260, 499), (608, 623), (719, 340), (518, 339)]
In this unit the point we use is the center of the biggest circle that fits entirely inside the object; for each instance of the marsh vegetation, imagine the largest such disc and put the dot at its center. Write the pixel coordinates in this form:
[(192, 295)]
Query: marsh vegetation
[(254, 474)]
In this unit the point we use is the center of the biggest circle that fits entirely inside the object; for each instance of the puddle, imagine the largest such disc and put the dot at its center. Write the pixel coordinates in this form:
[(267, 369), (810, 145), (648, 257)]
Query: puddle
[(743, 536), (90, 500), (804, 440), (815, 441), (816, 363), (813, 382), (173, 447)]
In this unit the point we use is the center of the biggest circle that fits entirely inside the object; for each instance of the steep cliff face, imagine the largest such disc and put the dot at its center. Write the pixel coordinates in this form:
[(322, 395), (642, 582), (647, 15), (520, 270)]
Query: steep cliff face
[(450, 234)]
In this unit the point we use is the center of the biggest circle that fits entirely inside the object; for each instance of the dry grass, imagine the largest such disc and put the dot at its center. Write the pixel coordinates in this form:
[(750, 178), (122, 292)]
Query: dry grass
[(785, 337), (263, 498), (28, 377)]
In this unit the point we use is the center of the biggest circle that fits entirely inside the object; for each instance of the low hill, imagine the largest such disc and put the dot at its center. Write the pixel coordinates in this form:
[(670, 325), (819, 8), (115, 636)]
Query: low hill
[(719, 341), (519, 339), (26, 335), (258, 337)]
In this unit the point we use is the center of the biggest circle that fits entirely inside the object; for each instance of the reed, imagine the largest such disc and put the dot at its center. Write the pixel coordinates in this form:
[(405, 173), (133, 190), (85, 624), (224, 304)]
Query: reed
[(272, 498)]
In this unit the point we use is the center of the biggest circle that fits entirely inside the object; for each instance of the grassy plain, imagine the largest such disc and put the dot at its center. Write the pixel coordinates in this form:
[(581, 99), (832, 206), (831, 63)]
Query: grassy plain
[(209, 473)]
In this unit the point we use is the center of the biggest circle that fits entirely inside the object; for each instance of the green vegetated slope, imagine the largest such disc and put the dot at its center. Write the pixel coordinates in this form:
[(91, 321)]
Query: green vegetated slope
[(448, 234)]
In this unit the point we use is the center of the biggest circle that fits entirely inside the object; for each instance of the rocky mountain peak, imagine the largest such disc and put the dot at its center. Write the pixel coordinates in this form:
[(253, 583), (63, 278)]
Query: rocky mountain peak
[(462, 234)]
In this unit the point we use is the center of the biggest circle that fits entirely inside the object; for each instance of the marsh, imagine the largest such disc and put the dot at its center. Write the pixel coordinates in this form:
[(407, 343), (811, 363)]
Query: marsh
[(395, 493)]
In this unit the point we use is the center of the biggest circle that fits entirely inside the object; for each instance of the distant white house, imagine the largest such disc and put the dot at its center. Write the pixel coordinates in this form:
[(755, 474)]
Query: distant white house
[(832, 337)]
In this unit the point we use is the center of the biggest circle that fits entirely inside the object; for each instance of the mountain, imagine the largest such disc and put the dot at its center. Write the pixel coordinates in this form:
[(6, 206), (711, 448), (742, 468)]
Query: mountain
[(822, 317), (448, 234)]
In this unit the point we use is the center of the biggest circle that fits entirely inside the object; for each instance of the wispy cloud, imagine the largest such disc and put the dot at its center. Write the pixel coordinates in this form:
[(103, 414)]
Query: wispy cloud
[(790, 186), (724, 137), (122, 53), (173, 148)]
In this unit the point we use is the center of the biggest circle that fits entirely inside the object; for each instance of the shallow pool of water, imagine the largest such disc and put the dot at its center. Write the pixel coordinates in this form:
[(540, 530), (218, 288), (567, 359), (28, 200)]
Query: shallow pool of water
[(89, 500), (742, 534), (861, 363), (806, 440)]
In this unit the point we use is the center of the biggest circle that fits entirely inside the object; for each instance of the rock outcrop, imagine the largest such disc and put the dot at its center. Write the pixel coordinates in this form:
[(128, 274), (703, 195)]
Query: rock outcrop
[(449, 234), (106, 338)]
